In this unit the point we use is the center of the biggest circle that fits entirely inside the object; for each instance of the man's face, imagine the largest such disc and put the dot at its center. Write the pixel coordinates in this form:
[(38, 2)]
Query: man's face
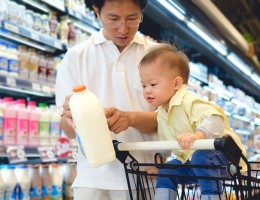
[(120, 19)]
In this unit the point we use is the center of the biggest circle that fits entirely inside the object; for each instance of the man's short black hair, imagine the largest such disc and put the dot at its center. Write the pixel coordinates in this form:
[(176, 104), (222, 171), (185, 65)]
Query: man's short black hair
[(99, 3)]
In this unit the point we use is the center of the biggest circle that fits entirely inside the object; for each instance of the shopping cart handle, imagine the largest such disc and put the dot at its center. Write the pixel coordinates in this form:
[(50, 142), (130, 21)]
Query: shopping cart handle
[(225, 144)]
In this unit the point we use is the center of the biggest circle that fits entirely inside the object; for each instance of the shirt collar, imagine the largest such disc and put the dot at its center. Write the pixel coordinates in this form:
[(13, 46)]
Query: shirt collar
[(98, 38), (178, 97)]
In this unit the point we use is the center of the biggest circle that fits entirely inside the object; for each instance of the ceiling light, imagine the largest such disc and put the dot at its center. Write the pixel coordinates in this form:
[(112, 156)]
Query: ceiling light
[(239, 63), (214, 43), (172, 9)]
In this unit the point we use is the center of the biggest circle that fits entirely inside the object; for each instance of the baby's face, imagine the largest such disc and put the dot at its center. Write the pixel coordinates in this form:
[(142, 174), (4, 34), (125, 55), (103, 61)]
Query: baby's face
[(158, 84)]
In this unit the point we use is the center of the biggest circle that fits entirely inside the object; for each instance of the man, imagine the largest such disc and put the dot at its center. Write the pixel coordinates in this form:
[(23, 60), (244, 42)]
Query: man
[(107, 64)]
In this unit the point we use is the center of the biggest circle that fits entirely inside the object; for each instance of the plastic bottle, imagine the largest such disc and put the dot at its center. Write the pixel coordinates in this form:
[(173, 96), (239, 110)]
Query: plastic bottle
[(64, 30), (23, 177), (33, 64), (44, 125), (42, 67), (47, 182), (3, 59), (11, 183), (53, 25), (69, 176), (51, 71), (13, 61), (2, 185), (1, 123), (91, 127), (57, 182), (33, 123), (23, 62), (54, 125), (36, 183), (22, 123), (9, 121)]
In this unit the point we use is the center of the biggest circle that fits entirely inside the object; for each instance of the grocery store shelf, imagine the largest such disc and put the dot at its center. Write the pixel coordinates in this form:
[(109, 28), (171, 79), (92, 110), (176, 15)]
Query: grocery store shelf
[(31, 34), (85, 18), (16, 84)]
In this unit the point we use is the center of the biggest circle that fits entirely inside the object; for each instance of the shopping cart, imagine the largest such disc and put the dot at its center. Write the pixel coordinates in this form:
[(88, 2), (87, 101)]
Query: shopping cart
[(236, 186)]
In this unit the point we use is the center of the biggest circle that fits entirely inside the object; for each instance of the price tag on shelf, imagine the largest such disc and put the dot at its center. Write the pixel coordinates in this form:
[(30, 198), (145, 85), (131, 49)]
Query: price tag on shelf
[(35, 36), (72, 157), (16, 154), (36, 87), (47, 154), (46, 89), (77, 15), (11, 81), (57, 45), (11, 27)]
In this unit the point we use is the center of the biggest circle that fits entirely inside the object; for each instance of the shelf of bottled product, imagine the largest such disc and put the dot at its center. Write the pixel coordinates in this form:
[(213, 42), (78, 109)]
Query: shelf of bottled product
[(7, 26), (35, 155), (19, 85), (88, 20)]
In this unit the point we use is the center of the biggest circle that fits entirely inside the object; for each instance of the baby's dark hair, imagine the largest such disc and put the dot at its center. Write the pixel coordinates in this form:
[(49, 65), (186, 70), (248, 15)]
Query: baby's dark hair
[(100, 3), (170, 57)]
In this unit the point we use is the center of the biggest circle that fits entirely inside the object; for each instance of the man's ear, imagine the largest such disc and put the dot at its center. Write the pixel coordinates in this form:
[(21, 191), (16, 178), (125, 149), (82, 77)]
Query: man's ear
[(97, 11), (178, 82)]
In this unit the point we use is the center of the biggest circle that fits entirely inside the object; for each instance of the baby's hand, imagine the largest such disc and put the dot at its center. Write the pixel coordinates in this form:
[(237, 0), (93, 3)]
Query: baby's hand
[(152, 170), (186, 140)]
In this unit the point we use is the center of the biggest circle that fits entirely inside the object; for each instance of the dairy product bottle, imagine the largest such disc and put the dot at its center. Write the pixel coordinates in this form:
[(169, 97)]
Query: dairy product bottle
[(13, 61), (36, 183), (91, 127), (44, 125), (23, 177), (2, 185), (33, 64), (3, 59), (9, 121), (54, 125), (69, 176), (22, 123), (1, 123), (11, 183), (23, 61), (47, 182), (57, 182), (33, 124)]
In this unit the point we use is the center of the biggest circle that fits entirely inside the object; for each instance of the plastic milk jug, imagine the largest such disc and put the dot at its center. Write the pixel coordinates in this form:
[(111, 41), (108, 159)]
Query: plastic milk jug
[(23, 177), (57, 181), (1, 123), (2, 186), (22, 123), (9, 121), (91, 127), (44, 125), (47, 182), (33, 123), (54, 125), (36, 183), (11, 183)]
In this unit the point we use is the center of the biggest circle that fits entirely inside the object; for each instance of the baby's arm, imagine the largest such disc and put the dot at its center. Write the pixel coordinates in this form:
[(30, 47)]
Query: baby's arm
[(211, 127)]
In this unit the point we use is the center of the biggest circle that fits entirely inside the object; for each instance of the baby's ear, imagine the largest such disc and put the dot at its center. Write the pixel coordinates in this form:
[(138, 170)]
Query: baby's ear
[(178, 82)]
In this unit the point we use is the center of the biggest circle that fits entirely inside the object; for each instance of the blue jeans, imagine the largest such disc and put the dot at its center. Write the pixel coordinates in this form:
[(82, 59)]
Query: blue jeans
[(199, 157)]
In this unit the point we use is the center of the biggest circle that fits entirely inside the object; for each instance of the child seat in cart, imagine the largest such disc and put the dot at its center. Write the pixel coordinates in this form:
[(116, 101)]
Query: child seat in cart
[(236, 186)]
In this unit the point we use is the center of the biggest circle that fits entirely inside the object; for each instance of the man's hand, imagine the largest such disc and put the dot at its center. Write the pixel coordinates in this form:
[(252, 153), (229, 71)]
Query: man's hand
[(66, 119)]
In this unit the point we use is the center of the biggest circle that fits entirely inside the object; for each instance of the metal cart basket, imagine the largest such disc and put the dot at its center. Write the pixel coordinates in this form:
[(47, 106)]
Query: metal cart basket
[(236, 186)]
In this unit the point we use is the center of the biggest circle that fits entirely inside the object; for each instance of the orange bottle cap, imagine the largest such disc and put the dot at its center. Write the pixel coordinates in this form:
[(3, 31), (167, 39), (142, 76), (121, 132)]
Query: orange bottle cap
[(79, 88)]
